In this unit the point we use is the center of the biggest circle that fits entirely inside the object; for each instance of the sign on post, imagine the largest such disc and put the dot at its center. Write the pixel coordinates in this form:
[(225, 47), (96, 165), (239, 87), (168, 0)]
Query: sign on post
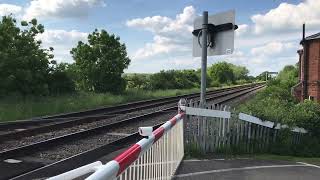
[(212, 35), (223, 40)]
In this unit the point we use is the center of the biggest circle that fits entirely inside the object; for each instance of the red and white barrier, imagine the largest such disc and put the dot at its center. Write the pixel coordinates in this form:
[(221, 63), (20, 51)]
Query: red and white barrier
[(114, 168), (154, 157)]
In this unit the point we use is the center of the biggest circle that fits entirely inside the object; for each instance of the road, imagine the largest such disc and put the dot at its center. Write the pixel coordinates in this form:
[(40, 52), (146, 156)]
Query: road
[(246, 169)]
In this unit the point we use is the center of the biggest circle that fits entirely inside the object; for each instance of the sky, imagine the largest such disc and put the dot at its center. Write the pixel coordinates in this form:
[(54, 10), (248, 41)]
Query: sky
[(158, 35)]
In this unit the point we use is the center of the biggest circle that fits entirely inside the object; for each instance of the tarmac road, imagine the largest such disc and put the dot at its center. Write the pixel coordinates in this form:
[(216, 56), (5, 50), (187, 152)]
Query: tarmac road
[(246, 169)]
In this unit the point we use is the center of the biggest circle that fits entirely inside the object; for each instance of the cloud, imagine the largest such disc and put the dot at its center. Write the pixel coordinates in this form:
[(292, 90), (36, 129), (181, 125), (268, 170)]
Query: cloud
[(242, 29), (172, 42), (60, 8), (62, 41), (272, 49), (7, 9), (169, 34), (288, 17)]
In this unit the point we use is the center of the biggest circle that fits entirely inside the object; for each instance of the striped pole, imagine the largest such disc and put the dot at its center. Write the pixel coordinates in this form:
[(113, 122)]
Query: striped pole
[(115, 167)]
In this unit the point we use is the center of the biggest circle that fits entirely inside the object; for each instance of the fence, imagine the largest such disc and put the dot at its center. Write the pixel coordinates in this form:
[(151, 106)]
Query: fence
[(154, 157), (217, 129)]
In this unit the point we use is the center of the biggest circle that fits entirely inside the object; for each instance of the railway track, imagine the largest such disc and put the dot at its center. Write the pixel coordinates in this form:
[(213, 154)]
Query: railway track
[(58, 149), (123, 108), (26, 128)]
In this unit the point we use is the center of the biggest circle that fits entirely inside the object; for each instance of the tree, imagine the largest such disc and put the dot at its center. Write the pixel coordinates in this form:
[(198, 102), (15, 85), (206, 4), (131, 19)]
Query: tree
[(261, 76), (240, 72), (288, 77), (24, 66), (101, 62), (174, 79), (222, 72), (163, 80), (139, 81), (60, 80)]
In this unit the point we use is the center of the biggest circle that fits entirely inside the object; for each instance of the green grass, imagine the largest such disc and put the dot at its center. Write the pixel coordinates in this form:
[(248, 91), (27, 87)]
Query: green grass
[(17, 108)]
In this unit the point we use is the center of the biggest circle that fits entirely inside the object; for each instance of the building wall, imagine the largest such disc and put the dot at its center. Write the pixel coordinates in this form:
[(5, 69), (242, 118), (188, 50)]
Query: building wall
[(314, 69)]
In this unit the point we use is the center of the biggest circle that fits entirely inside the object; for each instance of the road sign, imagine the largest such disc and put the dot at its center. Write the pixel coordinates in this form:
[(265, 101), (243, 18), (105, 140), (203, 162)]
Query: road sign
[(223, 40)]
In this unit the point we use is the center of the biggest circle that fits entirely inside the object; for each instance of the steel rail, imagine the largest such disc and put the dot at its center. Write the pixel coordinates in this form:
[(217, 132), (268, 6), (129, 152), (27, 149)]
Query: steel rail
[(122, 108), (79, 121)]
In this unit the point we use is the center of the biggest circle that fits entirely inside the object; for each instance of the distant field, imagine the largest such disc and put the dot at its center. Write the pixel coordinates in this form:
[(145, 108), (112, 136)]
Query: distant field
[(18, 108)]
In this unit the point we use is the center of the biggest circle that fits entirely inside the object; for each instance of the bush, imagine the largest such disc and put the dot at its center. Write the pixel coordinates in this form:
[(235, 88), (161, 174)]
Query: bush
[(275, 103), (60, 81), (174, 79)]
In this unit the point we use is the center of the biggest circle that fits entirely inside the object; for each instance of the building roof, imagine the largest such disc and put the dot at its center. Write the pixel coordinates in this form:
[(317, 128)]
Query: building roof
[(314, 36)]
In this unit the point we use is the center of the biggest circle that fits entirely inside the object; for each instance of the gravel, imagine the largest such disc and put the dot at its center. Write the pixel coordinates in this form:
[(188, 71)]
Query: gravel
[(78, 146), (64, 131)]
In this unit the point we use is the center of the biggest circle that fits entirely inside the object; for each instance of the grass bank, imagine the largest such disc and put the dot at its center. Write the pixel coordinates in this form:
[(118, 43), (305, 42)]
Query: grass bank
[(17, 108)]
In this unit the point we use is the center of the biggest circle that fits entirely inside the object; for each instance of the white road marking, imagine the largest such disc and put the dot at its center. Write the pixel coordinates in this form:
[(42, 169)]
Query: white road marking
[(243, 158), (118, 134), (239, 169), (307, 164), (195, 160), (13, 161)]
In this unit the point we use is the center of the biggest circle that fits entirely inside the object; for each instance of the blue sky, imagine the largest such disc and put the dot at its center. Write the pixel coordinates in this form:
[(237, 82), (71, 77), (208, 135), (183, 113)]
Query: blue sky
[(158, 33)]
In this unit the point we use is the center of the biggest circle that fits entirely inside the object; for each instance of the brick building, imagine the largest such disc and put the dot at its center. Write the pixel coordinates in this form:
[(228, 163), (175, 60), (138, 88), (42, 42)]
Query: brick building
[(309, 69)]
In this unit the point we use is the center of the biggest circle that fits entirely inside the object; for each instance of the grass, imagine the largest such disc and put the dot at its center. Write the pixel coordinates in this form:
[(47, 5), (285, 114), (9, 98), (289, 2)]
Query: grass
[(17, 108)]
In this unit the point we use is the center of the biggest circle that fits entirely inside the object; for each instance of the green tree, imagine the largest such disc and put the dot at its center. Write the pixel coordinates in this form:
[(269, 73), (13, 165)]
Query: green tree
[(60, 81), (222, 73), (240, 72), (288, 77), (174, 79), (139, 81), (24, 65), (261, 76), (101, 62)]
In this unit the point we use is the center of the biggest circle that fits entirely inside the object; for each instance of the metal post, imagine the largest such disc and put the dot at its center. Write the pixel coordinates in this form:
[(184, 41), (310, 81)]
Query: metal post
[(204, 59), (266, 75)]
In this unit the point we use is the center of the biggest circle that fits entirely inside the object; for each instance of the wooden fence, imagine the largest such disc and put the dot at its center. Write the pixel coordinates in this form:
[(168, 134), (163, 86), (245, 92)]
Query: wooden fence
[(218, 129)]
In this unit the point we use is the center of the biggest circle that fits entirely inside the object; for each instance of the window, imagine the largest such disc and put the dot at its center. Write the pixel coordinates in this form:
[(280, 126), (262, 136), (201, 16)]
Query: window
[(311, 98)]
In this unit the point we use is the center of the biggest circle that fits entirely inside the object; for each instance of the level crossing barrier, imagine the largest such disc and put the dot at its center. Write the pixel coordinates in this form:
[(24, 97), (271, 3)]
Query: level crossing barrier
[(154, 157)]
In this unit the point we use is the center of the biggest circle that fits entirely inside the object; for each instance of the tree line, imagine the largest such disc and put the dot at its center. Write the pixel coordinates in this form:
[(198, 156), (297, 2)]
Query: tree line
[(218, 74), (28, 69)]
